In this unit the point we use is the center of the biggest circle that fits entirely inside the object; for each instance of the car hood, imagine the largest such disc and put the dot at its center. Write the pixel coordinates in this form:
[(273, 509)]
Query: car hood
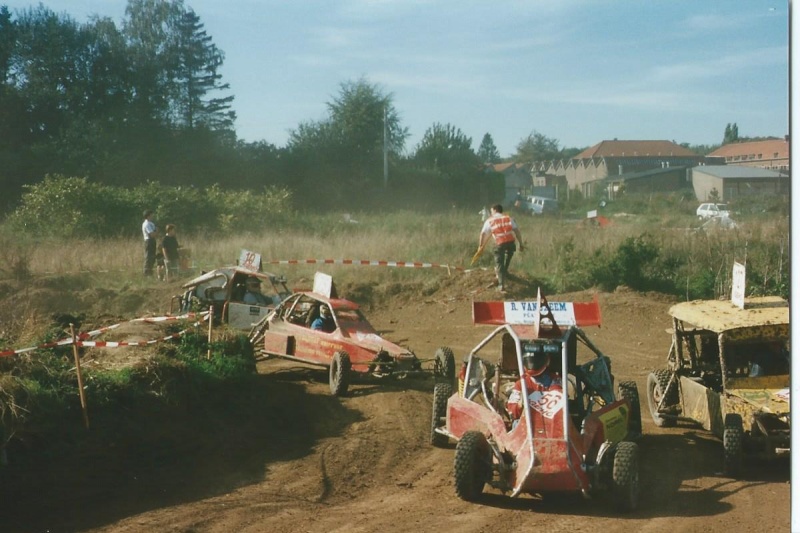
[(372, 341)]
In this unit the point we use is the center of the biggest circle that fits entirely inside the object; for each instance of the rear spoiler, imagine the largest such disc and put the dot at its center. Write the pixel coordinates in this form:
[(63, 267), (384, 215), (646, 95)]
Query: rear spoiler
[(580, 314)]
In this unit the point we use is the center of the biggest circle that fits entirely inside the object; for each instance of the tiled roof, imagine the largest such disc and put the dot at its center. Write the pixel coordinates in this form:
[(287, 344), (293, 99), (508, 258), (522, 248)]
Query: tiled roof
[(736, 171), (501, 167), (635, 148), (767, 149)]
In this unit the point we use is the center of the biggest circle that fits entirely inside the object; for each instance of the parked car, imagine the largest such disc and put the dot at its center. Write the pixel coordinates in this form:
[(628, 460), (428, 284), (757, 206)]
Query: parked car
[(539, 205), (353, 348), (728, 370), (711, 210), (576, 437), (224, 290)]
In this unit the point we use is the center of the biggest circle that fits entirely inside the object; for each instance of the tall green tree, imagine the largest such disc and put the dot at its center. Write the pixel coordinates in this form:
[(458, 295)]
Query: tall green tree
[(198, 62), (447, 149), (152, 31), (731, 133), (487, 151), (537, 147)]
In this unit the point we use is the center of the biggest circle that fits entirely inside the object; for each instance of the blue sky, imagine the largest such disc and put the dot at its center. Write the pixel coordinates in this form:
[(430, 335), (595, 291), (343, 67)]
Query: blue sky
[(579, 71)]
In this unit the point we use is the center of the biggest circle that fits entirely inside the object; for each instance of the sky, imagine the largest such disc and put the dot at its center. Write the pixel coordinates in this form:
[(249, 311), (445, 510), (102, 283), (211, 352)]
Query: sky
[(578, 71)]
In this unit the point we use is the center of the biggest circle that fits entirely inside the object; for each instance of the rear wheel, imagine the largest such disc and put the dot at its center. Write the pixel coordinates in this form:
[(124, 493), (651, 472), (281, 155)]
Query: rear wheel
[(625, 476), (444, 364), (472, 465), (339, 378), (441, 393), (660, 390), (629, 391), (732, 443)]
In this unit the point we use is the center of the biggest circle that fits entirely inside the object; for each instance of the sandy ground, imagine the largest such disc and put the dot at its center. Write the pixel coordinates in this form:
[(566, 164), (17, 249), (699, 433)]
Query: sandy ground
[(294, 459)]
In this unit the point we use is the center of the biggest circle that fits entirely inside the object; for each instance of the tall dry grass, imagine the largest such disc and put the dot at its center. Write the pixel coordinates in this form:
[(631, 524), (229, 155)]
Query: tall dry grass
[(560, 252)]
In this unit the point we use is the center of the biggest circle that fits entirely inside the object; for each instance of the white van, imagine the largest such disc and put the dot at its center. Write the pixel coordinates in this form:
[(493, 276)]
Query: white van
[(539, 205)]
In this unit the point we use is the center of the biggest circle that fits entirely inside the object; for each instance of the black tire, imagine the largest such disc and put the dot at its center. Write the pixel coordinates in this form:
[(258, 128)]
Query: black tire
[(625, 476), (444, 364), (732, 436), (472, 465), (339, 377), (441, 393), (629, 391), (658, 387)]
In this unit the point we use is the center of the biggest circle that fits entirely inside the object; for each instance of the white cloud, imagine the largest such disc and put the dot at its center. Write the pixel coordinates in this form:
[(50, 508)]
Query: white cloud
[(720, 66)]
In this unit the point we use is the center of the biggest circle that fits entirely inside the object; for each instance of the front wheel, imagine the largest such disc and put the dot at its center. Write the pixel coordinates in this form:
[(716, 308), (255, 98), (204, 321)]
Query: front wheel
[(339, 377), (441, 393), (444, 364), (625, 476), (732, 444), (661, 391), (472, 465), (629, 391)]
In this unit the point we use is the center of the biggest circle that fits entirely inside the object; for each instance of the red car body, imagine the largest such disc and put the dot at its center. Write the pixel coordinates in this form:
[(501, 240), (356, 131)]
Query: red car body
[(353, 347), (570, 438)]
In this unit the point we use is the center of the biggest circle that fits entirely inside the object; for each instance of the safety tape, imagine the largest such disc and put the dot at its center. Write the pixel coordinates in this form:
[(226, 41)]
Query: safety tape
[(81, 337), (363, 262)]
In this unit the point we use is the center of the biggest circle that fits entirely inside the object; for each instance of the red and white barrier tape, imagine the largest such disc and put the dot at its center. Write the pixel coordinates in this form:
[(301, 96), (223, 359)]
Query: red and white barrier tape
[(81, 337), (363, 262)]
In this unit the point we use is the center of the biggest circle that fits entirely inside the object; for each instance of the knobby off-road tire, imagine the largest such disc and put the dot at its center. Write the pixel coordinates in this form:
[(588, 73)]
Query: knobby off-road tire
[(732, 436), (625, 477), (472, 465), (339, 378), (444, 364), (441, 393), (629, 391), (658, 387)]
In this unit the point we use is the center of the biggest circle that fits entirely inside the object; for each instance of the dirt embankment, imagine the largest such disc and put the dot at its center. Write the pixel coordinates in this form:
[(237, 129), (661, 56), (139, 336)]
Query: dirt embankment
[(284, 456)]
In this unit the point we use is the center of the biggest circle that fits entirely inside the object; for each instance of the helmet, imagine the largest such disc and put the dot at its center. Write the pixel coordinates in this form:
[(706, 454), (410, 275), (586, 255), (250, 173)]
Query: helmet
[(535, 359)]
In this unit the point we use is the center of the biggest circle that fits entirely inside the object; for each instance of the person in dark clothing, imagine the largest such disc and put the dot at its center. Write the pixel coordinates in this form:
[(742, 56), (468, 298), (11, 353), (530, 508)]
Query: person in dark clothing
[(169, 247)]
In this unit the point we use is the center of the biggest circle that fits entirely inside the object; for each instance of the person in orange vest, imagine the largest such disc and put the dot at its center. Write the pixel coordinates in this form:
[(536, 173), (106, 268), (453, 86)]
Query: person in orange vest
[(503, 229)]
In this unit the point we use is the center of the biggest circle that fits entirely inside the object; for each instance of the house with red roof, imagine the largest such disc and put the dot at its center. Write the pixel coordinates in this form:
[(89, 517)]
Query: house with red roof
[(589, 171), (772, 154)]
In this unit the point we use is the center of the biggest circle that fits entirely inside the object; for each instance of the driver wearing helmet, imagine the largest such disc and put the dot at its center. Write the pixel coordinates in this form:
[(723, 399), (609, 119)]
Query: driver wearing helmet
[(538, 380), (324, 322)]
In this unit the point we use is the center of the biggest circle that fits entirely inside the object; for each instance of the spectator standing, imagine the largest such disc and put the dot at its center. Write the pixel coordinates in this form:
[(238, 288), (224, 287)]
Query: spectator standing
[(503, 229), (149, 234), (170, 247)]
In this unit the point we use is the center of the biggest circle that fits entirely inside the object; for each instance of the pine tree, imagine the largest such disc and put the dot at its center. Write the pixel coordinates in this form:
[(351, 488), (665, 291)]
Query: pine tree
[(487, 152)]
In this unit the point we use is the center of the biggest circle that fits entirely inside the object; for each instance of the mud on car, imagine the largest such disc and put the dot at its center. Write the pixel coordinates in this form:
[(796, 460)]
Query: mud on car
[(352, 349), (224, 290), (728, 370), (578, 438)]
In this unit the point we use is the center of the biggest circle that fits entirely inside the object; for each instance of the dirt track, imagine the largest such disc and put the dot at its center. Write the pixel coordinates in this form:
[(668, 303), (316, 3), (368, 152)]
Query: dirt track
[(300, 460)]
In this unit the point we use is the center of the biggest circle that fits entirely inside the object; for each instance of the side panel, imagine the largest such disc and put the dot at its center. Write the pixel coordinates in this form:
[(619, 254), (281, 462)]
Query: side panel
[(278, 343), (245, 316), (702, 405)]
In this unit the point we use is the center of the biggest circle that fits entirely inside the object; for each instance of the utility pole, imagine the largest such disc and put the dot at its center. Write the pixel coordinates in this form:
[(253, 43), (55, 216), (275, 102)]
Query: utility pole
[(385, 151)]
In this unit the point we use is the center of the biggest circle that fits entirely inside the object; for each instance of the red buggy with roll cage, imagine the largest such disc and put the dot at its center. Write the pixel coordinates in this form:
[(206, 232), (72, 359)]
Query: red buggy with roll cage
[(577, 439)]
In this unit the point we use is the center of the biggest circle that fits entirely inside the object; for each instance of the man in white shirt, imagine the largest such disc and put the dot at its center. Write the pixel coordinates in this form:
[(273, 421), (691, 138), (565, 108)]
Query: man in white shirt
[(149, 234)]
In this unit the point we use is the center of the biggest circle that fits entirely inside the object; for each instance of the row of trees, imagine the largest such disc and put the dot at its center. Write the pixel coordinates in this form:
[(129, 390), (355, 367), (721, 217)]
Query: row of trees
[(144, 102)]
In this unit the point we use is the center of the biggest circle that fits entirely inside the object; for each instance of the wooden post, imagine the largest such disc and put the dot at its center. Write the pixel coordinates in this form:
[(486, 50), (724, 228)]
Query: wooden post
[(80, 376), (210, 322)]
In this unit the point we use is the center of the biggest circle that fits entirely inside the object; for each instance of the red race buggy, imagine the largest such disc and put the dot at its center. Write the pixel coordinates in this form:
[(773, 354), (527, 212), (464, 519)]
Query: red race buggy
[(577, 437), (352, 347)]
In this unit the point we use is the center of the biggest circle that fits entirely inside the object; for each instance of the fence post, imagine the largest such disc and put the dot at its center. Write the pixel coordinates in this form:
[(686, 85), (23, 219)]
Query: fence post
[(81, 393)]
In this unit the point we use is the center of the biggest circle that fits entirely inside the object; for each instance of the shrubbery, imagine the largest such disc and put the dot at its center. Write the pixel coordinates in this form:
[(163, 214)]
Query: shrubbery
[(63, 207)]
